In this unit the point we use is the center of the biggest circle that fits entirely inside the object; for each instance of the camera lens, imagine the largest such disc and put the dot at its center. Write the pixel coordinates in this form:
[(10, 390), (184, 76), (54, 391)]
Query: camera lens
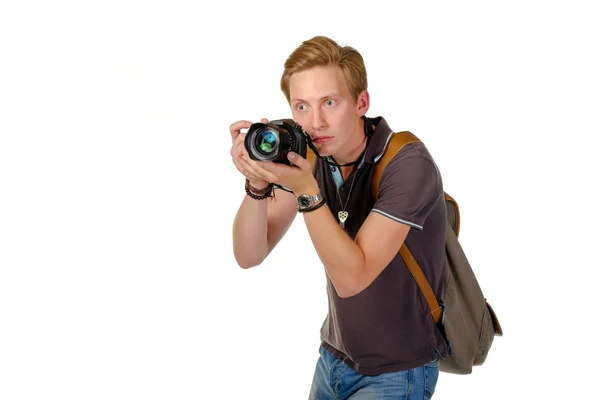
[(273, 141), (267, 141)]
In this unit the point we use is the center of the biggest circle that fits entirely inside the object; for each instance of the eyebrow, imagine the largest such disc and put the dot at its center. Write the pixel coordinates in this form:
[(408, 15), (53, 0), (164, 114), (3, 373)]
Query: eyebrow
[(294, 100)]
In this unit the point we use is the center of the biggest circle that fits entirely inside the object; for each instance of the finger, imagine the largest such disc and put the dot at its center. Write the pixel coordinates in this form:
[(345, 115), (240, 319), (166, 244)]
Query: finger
[(247, 173), (252, 169), (299, 161), (262, 169), (239, 140), (236, 127), (274, 169), (238, 146), (239, 167), (244, 152), (237, 137), (259, 169), (235, 151)]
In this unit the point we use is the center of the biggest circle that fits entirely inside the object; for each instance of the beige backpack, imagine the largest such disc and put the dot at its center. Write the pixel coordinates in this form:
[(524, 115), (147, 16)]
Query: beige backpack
[(465, 318)]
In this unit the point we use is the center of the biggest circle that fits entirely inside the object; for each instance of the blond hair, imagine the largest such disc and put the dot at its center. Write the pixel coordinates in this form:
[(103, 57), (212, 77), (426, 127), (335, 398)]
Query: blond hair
[(323, 51)]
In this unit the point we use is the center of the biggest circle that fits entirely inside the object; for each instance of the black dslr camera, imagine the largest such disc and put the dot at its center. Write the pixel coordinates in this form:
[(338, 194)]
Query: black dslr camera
[(272, 141)]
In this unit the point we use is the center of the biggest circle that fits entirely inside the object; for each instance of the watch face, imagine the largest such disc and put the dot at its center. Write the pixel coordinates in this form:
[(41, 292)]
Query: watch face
[(304, 201)]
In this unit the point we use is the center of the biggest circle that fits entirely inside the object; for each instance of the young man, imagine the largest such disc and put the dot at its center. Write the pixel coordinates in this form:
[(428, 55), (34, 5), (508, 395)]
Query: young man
[(378, 339)]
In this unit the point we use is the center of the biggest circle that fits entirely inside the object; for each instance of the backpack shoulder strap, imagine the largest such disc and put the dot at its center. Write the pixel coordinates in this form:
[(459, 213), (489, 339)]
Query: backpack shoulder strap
[(311, 157), (453, 213), (417, 273), (396, 143)]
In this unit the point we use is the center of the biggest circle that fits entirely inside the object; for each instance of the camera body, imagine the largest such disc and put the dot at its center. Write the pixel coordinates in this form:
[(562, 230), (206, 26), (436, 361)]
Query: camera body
[(272, 141)]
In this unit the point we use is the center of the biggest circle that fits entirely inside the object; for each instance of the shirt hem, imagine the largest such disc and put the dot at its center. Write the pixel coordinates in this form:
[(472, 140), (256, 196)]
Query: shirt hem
[(403, 221), (380, 370)]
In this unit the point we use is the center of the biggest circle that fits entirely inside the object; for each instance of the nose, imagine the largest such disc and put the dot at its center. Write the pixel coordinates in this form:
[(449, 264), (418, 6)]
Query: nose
[(318, 121)]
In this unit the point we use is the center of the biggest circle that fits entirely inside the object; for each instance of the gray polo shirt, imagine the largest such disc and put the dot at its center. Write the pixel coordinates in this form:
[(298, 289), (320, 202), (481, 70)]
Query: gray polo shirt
[(388, 327)]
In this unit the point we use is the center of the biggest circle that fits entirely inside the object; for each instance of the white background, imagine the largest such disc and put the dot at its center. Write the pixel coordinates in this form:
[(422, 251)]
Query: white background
[(117, 191)]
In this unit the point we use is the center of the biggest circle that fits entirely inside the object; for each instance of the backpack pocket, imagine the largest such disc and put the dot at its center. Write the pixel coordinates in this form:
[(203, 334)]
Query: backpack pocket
[(490, 327)]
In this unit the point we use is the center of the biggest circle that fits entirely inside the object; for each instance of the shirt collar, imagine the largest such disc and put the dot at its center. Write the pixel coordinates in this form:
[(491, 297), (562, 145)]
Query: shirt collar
[(379, 140)]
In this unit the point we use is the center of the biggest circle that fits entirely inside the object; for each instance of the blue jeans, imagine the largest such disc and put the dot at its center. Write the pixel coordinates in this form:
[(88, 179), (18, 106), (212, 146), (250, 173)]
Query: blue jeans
[(334, 380)]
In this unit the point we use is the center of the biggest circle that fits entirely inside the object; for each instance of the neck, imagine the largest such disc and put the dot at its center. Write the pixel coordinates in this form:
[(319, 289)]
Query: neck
[(355, 147)]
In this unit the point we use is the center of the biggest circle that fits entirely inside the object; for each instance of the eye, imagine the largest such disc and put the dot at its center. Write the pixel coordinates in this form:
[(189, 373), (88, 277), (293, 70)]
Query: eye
[(301, 107), (330, 103)]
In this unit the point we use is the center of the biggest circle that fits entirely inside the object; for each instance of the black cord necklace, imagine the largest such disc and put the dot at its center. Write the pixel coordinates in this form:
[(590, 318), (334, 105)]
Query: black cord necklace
[(343, 215)]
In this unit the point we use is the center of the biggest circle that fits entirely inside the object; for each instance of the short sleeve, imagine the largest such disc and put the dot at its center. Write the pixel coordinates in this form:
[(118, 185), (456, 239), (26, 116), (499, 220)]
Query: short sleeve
[(410, 187)]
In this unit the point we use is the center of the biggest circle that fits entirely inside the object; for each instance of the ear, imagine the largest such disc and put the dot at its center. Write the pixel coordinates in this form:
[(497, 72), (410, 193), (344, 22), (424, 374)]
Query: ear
[(362, 103)]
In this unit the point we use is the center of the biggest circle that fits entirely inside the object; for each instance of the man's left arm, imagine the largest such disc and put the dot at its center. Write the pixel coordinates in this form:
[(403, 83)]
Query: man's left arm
[(409, 189), (353, 265)]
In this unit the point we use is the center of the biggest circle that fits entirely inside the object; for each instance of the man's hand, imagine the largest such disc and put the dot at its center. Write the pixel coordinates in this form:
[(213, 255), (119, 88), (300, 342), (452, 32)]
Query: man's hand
[(298, 177), (240, 156)]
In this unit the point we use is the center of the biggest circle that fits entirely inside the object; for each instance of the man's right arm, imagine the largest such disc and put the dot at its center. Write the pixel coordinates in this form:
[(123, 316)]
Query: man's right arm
[(259, 225)]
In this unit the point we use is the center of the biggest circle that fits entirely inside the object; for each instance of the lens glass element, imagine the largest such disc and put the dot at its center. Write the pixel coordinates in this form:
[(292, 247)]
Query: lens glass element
[(267, 141)]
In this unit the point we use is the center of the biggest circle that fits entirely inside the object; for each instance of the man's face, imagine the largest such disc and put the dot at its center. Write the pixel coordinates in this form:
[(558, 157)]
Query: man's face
[(323, 105)]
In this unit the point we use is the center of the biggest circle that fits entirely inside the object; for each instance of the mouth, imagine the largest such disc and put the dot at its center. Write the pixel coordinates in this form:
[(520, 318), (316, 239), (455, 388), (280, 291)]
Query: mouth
[(322, 139)]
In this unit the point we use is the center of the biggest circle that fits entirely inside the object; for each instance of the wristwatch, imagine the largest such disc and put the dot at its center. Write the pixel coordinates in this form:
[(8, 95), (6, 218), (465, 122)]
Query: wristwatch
[(306, 202)]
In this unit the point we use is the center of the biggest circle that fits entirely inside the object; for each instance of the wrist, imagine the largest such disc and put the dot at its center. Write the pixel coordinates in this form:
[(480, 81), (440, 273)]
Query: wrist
[(259, 194), (313, 207), (307, 203), (257, 186)]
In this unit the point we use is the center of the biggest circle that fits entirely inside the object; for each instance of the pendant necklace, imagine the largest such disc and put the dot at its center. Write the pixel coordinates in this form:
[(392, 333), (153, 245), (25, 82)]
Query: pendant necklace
[(343, 215)]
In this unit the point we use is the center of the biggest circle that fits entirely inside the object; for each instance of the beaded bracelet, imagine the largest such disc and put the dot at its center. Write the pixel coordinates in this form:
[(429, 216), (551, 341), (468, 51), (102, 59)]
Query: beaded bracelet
[(259, 191), (259, 194)]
